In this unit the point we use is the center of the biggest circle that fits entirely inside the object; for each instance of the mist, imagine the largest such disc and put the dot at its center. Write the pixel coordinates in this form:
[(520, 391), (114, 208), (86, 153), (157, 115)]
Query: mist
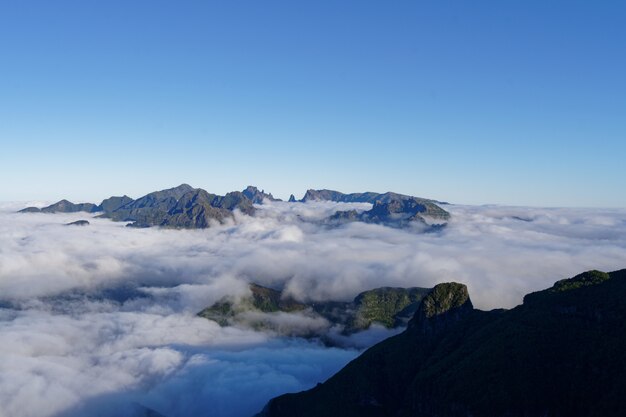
[(101, 320)]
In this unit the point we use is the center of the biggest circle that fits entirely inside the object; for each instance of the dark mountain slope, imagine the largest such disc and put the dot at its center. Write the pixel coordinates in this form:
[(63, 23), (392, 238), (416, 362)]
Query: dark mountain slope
[(561, 353)]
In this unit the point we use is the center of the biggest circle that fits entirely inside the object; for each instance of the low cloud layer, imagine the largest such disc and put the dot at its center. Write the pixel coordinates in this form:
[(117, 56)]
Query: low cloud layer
[(100, 320)]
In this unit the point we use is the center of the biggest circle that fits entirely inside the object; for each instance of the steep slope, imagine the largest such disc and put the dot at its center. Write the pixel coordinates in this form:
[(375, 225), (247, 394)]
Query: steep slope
[(561, 353)]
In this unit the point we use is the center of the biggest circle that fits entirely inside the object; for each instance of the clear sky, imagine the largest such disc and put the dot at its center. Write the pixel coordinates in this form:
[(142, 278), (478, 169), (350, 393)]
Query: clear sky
[(510, 102)]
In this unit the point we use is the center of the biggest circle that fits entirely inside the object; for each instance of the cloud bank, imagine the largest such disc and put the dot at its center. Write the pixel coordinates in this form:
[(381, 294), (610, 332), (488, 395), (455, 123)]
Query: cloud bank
[(100, 320)]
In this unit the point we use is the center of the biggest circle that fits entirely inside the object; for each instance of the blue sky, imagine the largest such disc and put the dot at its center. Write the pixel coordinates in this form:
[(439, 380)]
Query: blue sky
[(510, 102)]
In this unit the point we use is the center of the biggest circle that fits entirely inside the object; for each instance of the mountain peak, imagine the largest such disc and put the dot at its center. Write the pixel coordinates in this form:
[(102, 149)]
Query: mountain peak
[(256, 196), (182, 187)]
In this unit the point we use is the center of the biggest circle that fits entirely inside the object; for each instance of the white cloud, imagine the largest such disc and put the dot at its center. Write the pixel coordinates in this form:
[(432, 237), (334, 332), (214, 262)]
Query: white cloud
[(98, 318)]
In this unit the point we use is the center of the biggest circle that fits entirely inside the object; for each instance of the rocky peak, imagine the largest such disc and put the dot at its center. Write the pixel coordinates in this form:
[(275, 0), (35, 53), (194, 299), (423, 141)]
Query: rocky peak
[(292, 198), (446, 303), (311, 195), (256, 196)]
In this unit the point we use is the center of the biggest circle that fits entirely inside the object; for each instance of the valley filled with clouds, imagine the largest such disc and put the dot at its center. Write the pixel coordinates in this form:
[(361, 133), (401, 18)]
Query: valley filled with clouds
[(101, 320)]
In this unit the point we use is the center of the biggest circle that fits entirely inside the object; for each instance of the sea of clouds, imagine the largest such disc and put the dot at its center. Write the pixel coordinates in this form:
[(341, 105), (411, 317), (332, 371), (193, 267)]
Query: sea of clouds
[(101, 320)]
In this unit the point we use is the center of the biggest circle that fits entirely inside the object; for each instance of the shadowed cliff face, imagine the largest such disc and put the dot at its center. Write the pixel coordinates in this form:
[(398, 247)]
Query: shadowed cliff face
[(561, 353)]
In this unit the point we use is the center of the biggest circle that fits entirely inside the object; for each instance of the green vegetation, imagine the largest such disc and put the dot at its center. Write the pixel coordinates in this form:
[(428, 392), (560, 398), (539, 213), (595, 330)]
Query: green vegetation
[(585, 279), (387, 306), (443, 299), (391, 307)]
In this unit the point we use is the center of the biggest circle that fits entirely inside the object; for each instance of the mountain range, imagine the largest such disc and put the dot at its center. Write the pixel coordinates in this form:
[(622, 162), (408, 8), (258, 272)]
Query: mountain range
[(560, 353), (194, 208)]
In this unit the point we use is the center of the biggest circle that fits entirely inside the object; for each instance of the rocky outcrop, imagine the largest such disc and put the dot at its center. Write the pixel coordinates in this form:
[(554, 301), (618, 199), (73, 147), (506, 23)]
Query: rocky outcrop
[(256, 196)]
